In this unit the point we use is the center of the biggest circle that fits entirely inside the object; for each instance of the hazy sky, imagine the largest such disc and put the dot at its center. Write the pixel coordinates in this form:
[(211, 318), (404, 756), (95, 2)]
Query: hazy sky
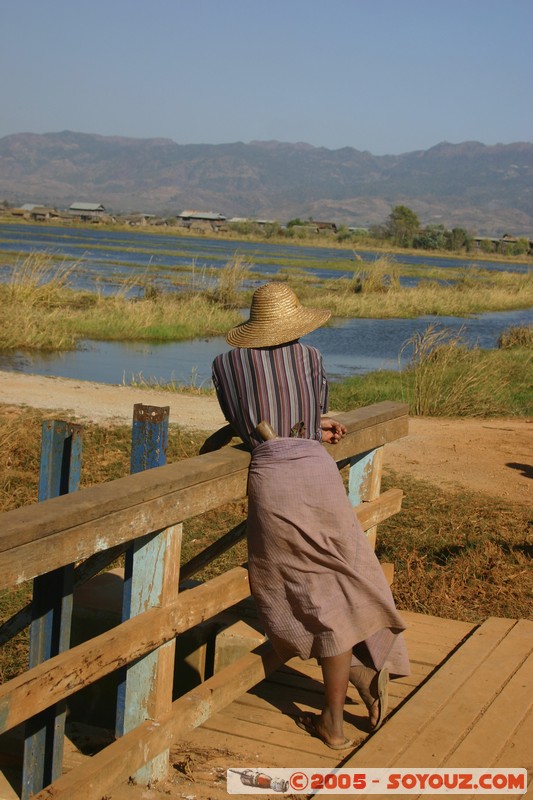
[(388, 76)]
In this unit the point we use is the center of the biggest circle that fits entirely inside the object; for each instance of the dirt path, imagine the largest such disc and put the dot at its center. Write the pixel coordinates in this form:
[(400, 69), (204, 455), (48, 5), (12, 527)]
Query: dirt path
[(493, 456), (102, 402)]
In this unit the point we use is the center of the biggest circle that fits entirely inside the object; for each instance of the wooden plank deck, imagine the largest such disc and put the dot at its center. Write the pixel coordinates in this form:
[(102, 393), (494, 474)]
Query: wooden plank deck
[(467, 703)]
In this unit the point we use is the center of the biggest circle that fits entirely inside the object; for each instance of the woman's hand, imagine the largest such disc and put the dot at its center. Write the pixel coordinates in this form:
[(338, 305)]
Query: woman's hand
[(332, 430)]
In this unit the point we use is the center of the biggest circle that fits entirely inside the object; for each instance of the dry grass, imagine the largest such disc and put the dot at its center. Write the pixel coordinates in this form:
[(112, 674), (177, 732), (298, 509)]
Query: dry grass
[(376, 293), (230, 279), (193, 387), (460, 555), (447, 378), (381, 276), (39, 280), (516, 336), (40, 312), (456, 554)]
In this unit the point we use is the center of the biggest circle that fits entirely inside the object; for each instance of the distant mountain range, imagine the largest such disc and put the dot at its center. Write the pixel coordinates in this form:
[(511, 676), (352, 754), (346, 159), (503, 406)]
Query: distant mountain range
[(487, 189)]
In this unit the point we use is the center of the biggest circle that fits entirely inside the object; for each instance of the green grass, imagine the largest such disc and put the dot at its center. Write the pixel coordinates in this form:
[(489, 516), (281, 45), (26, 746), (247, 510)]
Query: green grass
[(39, 311), (445, 378)]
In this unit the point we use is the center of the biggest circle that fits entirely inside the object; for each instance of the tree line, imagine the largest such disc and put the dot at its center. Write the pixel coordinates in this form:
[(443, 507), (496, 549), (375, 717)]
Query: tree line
[(402, 229)]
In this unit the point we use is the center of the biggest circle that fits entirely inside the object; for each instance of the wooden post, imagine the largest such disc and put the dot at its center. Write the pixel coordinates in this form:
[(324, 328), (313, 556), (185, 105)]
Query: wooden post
[(365, 481), (151, 579), (51, 610)]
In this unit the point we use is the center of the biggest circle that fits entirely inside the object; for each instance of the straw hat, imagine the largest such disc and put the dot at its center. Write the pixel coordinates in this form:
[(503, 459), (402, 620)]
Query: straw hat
[(276, 317)]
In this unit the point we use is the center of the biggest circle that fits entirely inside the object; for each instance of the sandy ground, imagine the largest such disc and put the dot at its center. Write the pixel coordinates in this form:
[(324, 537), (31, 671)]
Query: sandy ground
[(492, 456)]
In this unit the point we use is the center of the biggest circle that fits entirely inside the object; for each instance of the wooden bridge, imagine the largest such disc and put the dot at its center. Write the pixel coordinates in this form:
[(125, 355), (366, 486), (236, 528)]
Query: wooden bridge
[(466, 704)]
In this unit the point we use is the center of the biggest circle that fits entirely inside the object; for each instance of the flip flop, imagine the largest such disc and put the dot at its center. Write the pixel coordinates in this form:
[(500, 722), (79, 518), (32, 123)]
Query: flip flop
[(308, 724), (382, 699)]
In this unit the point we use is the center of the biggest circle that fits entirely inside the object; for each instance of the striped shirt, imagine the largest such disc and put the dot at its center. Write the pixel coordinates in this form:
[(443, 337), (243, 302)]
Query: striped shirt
[(285, 386)]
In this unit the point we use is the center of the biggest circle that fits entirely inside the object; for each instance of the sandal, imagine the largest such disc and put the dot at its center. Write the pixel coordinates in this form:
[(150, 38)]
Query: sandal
[(374, 688), (308, 723), (382, 699)]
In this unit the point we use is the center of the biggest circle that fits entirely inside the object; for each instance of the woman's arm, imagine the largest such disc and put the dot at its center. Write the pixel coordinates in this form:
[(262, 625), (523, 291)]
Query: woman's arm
[(218, 439)]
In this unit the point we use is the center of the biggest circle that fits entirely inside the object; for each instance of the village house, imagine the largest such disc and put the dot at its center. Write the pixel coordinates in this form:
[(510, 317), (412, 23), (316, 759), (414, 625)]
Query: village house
[(202, 220), (87, 212), (37, 212), (330, 227)]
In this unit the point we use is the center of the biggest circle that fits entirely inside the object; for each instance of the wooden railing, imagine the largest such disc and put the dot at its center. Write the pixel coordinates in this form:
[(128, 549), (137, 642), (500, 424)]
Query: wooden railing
[(89, 528)]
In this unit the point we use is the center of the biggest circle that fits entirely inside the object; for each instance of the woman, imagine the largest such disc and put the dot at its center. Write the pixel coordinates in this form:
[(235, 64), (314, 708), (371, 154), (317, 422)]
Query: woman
[(318, 586)]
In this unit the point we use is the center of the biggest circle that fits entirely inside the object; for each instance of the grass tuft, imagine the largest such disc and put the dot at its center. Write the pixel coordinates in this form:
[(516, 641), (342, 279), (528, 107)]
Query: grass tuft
[(230, 279), (516, 336), (380, 277), (447, 378)]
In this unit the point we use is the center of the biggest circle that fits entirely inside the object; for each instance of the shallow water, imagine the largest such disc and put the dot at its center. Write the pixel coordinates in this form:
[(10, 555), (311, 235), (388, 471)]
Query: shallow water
[(349, 347), (108, 258)]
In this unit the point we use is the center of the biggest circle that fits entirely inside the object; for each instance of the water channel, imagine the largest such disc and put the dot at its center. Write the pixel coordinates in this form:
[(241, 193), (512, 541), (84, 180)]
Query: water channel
[(349, 346)]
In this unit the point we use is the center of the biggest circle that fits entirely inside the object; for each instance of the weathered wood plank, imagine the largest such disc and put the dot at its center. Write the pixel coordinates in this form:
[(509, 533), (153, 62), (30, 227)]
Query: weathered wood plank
[(369, 438), (78, 542), (23, 524), (62, 676), (72, 544), (6, 790), (388, 746), (147, 692), (72, 528), (126, 755), (26, 524), (375, 511), (422, 622), (517, 750), (68, 672), (466, 706), (373, 414), (51, 608), (365, 483), (214, 550), (151, 578), (286, 737), (482, 744)]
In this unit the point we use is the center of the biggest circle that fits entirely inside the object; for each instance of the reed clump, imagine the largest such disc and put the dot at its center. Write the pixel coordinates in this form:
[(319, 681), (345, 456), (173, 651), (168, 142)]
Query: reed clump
[(230, 279), (40, 311), (516, 336), (35, 303), (38, 281), (381, 276), (445, 377), (450, 379), (386, 298), (170, 317)]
